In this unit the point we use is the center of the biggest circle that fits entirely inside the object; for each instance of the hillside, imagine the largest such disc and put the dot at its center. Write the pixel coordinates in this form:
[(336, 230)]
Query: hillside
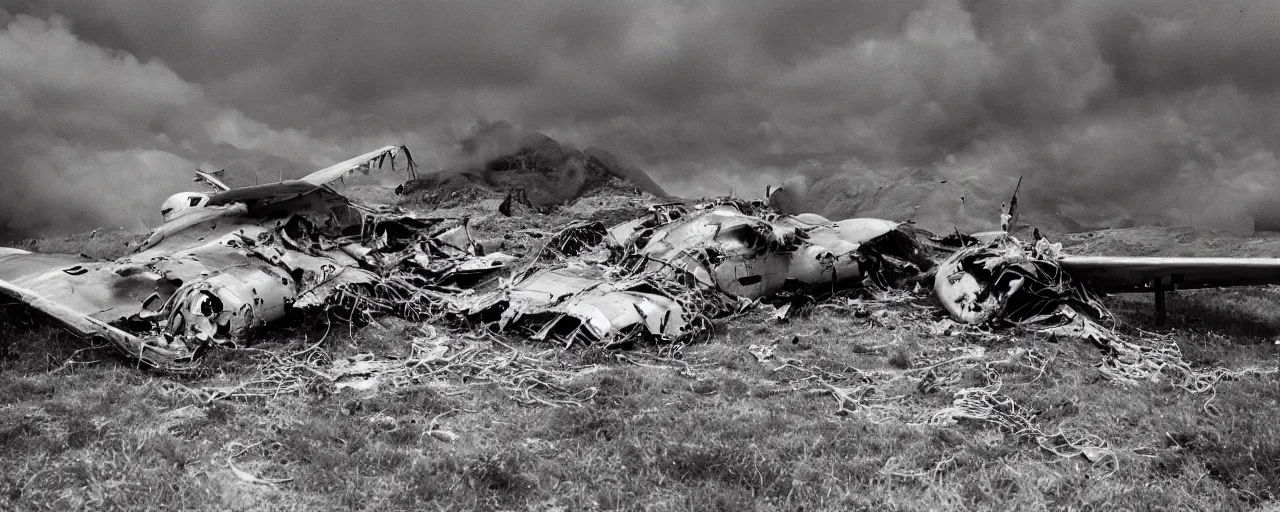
[(932, 200), (538, 168), (1171, 241)]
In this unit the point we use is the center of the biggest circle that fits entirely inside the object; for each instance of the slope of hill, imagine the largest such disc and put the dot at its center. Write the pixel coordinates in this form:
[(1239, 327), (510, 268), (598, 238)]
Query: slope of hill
[(933, 201), (1171, 241), (543, 170)]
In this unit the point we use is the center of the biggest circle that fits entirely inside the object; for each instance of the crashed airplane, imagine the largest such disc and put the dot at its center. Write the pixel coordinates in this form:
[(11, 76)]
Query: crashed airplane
[(225, 264), (228, 263)]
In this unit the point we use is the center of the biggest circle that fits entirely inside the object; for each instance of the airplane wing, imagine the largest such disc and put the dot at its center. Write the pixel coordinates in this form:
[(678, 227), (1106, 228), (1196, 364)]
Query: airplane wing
[(80, 293), (370, 159), (315, 180), (86, 326), (1118, 274)]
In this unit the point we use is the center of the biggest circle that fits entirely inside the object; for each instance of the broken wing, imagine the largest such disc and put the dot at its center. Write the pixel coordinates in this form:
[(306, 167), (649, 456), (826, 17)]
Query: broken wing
[(315, 180), (1117, 274), (51, 284)]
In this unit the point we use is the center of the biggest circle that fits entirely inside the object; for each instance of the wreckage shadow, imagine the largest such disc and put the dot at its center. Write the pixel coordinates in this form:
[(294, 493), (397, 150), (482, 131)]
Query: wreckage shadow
[(1246, 315), (31, 342)]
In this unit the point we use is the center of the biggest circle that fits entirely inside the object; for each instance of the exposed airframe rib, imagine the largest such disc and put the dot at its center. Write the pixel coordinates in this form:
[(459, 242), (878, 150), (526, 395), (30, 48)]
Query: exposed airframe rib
[(338, 170)]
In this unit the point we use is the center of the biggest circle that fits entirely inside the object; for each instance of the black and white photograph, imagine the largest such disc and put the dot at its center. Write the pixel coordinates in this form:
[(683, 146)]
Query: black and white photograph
[(654, 255)]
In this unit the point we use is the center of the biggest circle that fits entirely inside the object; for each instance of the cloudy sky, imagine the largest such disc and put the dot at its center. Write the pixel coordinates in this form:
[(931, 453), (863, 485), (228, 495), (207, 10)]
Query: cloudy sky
[(1115, 111)]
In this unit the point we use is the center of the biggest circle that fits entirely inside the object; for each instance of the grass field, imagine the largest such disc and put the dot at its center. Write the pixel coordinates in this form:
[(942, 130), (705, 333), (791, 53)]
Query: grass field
[(842, 413)]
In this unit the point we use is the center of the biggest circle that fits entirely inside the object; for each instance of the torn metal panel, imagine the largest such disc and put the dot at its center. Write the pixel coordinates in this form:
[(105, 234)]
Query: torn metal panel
[(621, 235), (572, 240), (179, 222), (1007, 281), (583, 304), (850, 248), (56, 276)]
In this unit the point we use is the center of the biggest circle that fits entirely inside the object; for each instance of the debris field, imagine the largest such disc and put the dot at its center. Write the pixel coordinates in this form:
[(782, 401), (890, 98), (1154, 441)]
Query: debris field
[(645, 283)]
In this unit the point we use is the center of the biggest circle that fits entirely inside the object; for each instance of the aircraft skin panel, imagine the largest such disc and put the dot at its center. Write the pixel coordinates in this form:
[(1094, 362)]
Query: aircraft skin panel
[(261, 192), (79, 284), (15, 267)]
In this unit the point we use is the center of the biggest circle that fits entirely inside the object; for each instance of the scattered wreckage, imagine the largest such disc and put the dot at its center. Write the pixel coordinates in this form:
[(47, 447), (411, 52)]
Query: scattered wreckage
[(727, 253), (665, 276), (1004, 279), (226, 264)]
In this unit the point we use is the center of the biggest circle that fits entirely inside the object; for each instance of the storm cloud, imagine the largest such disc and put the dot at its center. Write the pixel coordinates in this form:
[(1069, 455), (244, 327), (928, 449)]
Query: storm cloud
[(1115, 113)]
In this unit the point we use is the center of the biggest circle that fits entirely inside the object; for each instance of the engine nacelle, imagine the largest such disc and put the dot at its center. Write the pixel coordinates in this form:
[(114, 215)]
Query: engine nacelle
[(179, 204), (231, 304)]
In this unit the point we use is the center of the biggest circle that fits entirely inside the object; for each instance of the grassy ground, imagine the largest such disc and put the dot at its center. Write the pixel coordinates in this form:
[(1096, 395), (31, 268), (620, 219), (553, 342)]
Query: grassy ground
[(103, 244), (837, 417)]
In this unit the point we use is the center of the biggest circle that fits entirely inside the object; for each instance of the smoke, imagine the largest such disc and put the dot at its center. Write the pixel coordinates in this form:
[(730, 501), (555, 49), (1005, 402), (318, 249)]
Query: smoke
[(92, 137), (1115, 113)]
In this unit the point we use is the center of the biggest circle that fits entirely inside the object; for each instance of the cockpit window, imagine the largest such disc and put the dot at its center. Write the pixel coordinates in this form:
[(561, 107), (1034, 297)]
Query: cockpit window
[(195, 201)]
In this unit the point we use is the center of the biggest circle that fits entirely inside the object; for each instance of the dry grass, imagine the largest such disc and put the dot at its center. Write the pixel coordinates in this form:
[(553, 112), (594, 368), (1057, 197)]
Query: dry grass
[(706, 427), (726, 432), (107, 244)]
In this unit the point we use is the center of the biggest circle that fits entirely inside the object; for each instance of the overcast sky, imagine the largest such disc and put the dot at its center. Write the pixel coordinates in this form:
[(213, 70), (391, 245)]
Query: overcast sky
[(1151, 111)]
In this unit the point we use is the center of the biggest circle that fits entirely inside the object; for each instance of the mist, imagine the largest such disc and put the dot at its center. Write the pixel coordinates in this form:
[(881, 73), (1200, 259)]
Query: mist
[(1113, 113)]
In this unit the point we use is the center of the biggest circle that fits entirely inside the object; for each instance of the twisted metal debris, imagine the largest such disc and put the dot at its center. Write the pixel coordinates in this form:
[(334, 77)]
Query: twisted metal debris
[(225, 265), (666, 276)]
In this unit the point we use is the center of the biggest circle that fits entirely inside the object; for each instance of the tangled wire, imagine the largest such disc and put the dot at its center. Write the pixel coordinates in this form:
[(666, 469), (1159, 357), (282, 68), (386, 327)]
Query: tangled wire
[(885, 395), (530, 379), (986, 404)]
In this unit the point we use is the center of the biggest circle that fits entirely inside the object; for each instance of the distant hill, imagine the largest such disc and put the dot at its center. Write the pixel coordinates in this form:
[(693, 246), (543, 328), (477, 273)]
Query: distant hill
[(1171, 242), (923, 196), (540, 168)]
